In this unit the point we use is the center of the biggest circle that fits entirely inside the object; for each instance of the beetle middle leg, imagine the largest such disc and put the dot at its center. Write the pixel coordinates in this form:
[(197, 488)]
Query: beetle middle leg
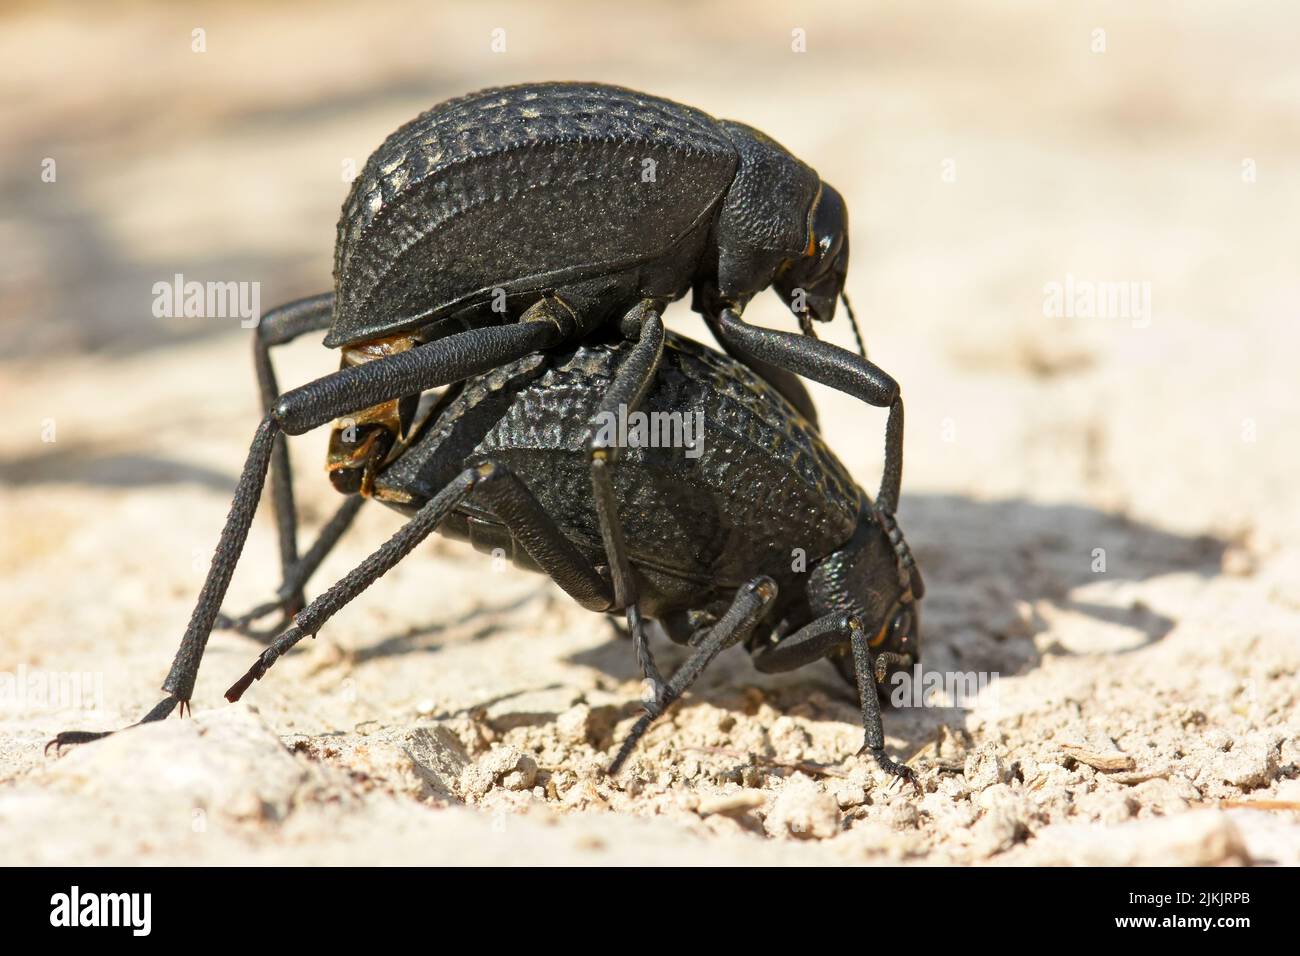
[(511, 502), (751, 602), (628, 389)]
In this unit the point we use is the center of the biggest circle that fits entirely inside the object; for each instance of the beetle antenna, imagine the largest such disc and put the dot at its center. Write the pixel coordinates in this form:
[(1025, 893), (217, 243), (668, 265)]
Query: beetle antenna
[(853, 320), (909, 575)]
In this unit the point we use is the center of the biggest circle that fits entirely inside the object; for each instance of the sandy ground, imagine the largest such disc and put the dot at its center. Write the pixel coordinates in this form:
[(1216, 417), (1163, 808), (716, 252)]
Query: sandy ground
[(1105, 509)]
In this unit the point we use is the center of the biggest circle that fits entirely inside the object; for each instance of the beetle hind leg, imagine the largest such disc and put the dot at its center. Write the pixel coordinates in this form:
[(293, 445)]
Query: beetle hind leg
[(280, 327), (289, 598), (71, 738), (310, 406)]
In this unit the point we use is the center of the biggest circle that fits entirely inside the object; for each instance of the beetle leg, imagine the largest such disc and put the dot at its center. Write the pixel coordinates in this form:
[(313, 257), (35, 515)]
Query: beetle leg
[(72, 737), (309, 406), (789, 385), (627, 390), (528, 522), (288, 599), (747, 608), (830, 365), (886, 659), (873, 729), (310, 619), (279, 327), (817, 638), (509, 500), (810, 643), (408, 373)]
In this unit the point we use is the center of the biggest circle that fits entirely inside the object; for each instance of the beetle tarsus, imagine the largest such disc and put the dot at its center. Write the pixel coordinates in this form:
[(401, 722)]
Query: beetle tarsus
[(237, 689), (891, 766), (72, 738)]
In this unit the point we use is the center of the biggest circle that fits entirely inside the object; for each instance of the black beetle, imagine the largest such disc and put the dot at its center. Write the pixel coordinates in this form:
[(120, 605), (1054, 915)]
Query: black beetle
[(513, 220), (753, 532)]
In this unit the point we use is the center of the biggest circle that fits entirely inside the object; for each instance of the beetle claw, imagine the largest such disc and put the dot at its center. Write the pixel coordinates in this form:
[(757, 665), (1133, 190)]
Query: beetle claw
[(71, 738), (891, 766)]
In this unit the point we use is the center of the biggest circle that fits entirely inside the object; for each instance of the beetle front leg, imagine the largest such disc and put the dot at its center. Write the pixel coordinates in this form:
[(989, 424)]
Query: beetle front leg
[(830, 365), (789, 385), (309, 406), (873, 728), (814, 641), (630, 384)]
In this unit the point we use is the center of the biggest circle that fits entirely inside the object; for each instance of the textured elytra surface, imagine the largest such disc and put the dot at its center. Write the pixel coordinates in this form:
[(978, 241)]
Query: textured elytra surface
[(763, 484), (771, 183), (521, 187)]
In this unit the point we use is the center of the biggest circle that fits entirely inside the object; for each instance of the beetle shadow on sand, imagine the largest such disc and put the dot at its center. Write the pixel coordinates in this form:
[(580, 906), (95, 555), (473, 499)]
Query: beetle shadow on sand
[(95, 294), (995, 572), (97, 466)]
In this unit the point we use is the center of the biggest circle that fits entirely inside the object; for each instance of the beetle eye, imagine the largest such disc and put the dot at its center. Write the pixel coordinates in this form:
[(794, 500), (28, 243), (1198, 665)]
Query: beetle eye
[(827, 247), (902, 625)]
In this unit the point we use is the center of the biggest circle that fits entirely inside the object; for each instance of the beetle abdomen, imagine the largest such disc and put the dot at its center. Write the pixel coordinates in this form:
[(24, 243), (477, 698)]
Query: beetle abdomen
[(521, 188)]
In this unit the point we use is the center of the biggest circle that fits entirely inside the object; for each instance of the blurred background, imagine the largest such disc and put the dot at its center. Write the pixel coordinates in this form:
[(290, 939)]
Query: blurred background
[(987, 151)]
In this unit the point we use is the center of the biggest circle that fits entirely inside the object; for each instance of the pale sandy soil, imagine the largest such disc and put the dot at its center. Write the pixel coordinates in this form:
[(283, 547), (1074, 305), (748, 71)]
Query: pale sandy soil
[(460, 712)]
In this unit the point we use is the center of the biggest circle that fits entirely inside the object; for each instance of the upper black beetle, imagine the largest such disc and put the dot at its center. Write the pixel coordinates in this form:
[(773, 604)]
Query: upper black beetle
[(756, 533), (513, 220)]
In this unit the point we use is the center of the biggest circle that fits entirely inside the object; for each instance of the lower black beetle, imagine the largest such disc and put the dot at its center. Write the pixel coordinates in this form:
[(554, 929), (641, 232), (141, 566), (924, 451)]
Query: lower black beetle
[(513, 220), (753, 533)]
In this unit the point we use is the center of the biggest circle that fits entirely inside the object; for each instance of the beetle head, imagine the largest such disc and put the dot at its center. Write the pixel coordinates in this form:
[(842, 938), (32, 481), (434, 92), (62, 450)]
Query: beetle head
[(876, 578), (812, 283)]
